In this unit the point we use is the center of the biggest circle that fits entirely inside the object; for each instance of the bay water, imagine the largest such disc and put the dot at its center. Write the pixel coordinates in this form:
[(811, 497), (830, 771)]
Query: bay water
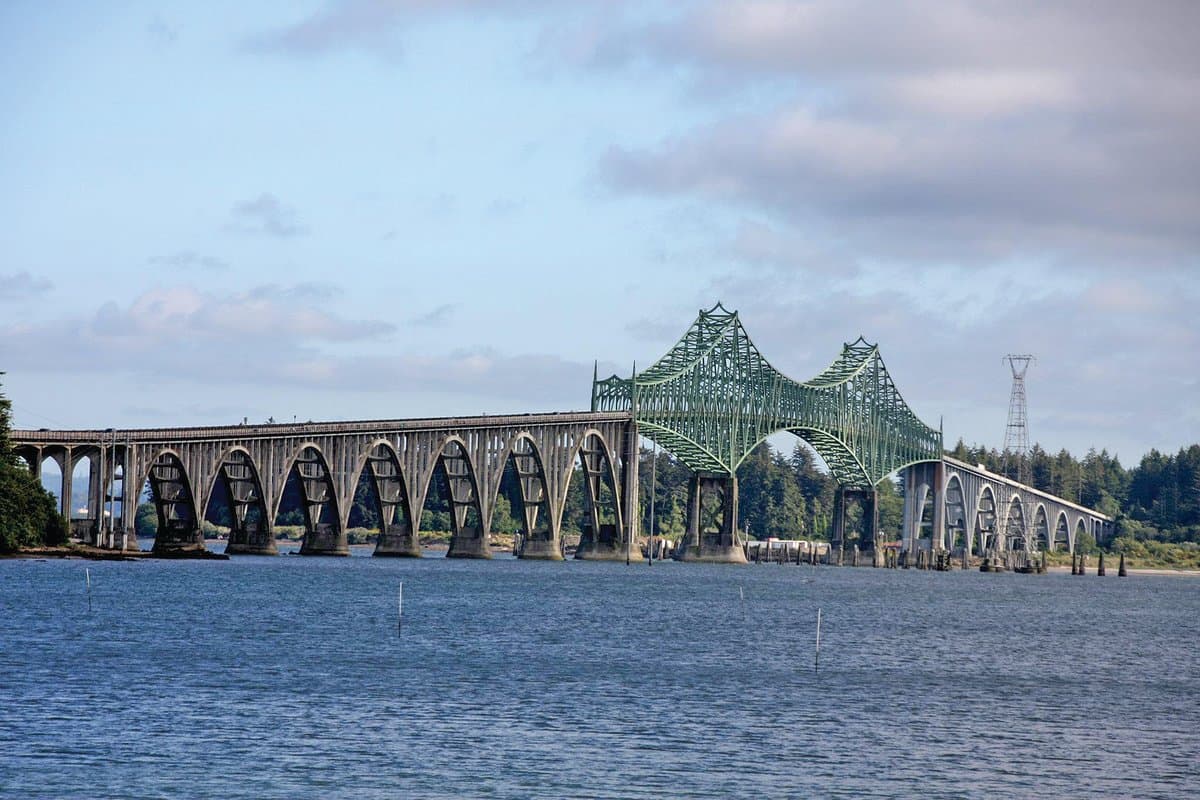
[(293, 677)]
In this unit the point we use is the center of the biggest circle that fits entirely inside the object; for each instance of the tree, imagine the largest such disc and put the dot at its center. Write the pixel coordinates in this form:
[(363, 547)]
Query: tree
[(28, 513)]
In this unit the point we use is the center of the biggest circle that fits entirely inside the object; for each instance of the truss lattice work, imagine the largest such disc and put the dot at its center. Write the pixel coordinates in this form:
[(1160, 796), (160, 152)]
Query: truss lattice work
[(713, 397)]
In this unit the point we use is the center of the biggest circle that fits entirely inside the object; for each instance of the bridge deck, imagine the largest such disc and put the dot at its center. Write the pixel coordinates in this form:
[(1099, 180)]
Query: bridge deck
[(205, 433)]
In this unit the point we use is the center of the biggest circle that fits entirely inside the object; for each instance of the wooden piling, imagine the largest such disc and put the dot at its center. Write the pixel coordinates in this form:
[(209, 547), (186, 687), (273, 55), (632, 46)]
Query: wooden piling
[(1100, 569), (1121, 568)]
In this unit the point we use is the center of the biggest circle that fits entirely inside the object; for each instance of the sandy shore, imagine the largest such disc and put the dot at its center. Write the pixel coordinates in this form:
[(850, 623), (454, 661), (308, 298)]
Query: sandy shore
[(1111, 571)]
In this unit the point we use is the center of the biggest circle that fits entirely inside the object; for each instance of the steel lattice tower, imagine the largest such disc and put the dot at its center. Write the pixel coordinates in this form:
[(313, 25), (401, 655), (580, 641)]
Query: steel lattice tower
[(1016, 434)]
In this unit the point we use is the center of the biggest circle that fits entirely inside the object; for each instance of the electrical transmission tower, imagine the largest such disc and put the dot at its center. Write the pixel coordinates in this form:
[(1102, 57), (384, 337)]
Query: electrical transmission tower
[(1016, 435)]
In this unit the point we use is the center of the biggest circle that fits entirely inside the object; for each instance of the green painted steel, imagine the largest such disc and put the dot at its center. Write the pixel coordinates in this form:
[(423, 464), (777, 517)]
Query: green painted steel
[(713, 397)]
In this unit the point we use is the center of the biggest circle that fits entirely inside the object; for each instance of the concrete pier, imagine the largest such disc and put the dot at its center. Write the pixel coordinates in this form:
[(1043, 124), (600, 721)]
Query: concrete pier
[(325, 540), (712, 547), (252, 541), (469, 543), (540, 549), (177, 541), (398, 541)]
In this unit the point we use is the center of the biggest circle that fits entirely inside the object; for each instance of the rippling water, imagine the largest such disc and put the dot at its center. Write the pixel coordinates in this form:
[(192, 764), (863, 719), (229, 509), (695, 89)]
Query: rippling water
[(286, 678)]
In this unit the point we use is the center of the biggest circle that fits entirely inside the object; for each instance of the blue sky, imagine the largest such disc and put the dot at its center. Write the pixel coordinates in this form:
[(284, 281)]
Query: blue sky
[(363, 209)]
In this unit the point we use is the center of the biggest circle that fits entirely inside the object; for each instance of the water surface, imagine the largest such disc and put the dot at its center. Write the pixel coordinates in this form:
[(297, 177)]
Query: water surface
[(287, 677)]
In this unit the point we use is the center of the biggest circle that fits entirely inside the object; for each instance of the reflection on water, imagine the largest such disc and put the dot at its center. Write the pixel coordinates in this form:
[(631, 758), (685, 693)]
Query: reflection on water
[(287, 677)]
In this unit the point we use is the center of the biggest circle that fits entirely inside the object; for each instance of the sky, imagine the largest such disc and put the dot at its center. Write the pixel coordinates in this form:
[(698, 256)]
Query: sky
[(362, 209)]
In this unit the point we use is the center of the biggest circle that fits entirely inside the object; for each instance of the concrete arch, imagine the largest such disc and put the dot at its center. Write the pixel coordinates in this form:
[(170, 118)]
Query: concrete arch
[(236, 468), (1016, 538), (393, 502), (956, 514), (320, 500), (599, 466), (1042, 536), (174, 501), (469, 537), (985, 528), (1080, 527), (1062, 533), (540, 536)]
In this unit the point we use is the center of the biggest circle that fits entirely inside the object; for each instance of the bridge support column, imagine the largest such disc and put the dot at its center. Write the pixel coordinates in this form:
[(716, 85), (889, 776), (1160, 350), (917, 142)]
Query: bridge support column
[(469, 543), (252, 539), (171, 540), (398, 540), (540, 548), (64, 496), (325, 540), (872, 517), (543, 542), (837, 545), (95, 501), (716, 547), (939, 507)]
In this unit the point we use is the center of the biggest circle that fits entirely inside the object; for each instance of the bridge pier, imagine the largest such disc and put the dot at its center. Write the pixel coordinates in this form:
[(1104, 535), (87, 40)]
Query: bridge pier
[(868, 541), (469, 543), (601, 544), (541, 549), (325, 540), (254, 539), (713, 547), (171, 540), (398, 541)]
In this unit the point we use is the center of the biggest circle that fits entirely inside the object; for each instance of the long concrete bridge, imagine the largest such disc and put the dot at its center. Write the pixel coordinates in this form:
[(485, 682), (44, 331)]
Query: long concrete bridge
[(254, 463), (710, 400)]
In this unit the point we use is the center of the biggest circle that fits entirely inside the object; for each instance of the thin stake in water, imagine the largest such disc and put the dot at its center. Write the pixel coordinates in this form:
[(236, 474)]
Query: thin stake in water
[(817, 656), (400, 614), (87, 575)]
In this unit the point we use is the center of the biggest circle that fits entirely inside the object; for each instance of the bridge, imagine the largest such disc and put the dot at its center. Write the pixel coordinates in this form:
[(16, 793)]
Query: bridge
[(254, 463), (710, 400)]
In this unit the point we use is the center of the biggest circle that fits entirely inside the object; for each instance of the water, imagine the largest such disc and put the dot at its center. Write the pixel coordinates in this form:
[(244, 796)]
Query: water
[(287, 678)]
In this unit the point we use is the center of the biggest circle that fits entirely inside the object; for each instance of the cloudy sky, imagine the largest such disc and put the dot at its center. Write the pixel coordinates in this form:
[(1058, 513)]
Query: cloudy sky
[(358, 209)]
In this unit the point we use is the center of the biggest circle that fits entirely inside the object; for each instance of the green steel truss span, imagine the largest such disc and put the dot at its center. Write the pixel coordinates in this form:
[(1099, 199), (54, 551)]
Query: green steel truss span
[(713, 397)]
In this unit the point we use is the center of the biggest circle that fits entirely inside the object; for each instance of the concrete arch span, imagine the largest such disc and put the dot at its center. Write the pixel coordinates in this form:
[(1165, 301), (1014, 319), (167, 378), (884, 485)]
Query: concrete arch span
[(309, 473), (469, 536), (957, 533), (540, 537), (1016, 528), (600, 538), (380, 465), (174, 501), (251, 530), (985, 532)]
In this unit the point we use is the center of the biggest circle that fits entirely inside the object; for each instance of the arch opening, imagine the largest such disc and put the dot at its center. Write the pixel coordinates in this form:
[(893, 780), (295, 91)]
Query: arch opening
[(1016, 533), (468, 535), (522, 504), (237, 502), (957, 536), (170, 490), (1041, 530), (381, 504), (1062, 533), (592, 510), (985, 533), (309, 498)]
